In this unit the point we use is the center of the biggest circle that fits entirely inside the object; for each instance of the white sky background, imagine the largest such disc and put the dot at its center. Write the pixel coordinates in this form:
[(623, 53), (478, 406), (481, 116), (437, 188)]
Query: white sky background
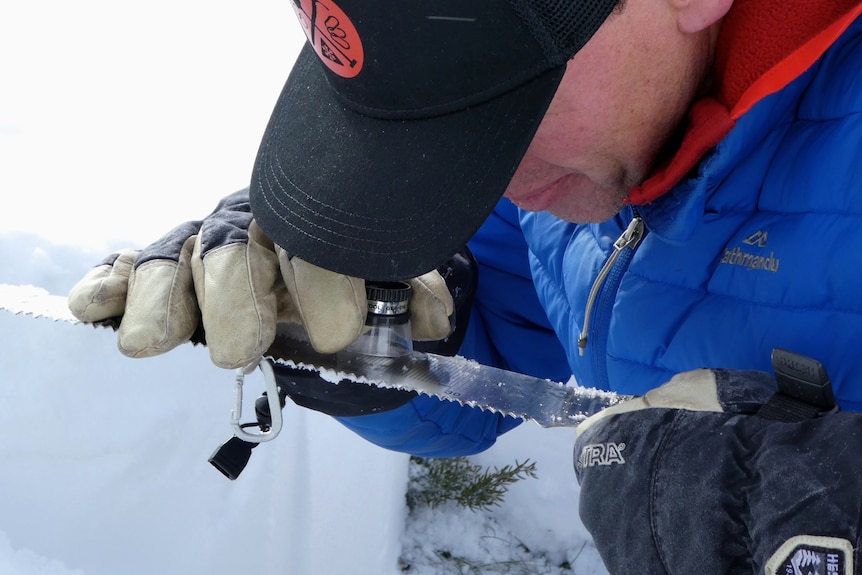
[(119, 120)]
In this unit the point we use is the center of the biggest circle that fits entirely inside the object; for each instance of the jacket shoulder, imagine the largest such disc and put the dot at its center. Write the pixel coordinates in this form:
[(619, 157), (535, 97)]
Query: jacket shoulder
[(836, 87)]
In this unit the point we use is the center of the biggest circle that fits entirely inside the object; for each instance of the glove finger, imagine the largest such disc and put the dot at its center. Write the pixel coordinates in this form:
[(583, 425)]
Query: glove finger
[(431, 307), (694, 390), (101, 293), (161, 310), (331, 306), (235, 283)]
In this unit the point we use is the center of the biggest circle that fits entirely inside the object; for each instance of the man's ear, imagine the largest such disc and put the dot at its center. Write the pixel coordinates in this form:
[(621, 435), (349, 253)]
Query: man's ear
[(696, 15)]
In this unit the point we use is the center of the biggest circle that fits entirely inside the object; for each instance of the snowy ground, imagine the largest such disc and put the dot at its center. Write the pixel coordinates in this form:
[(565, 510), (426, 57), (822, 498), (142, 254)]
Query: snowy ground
[(105, 472)]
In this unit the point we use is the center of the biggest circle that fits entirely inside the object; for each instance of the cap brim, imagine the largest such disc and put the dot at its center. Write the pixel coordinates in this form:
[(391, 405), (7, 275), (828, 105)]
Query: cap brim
[(385, 199)]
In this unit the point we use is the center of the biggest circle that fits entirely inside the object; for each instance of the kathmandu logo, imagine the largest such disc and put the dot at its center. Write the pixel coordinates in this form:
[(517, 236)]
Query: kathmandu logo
[(332, 35), (601, 454), (758, 239), (752, 261)]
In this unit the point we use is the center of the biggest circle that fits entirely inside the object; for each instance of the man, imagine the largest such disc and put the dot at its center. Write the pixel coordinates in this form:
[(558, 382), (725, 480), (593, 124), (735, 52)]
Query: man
[(714, 147)]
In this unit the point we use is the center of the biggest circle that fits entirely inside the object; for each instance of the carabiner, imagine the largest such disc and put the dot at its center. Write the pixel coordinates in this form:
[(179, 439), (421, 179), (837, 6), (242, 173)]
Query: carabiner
[(271, 396)]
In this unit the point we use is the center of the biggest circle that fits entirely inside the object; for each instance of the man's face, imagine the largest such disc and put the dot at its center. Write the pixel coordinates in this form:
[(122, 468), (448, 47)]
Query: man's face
[(620, 100)]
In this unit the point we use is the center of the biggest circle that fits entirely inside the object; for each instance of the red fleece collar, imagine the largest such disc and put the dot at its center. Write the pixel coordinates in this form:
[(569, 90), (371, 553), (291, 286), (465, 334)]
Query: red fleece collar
[(763, 45)]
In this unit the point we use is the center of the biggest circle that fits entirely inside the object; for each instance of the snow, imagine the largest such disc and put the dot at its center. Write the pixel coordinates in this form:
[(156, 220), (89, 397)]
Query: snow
[(105, 471), (118, 121)]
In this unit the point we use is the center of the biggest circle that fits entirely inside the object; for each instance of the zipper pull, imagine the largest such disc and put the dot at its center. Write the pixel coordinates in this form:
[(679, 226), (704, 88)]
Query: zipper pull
[(631, 236), (628, 239)]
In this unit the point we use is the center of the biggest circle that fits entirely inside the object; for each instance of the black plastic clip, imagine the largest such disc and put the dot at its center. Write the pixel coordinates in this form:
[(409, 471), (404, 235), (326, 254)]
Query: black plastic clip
[(804, 389)]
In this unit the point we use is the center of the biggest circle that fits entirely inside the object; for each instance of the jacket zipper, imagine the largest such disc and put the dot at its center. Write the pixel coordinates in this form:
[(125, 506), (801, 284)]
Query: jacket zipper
[(629, 240)]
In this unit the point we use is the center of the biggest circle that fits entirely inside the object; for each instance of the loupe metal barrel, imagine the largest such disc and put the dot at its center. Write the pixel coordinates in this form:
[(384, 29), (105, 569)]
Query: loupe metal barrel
[(387, 326)]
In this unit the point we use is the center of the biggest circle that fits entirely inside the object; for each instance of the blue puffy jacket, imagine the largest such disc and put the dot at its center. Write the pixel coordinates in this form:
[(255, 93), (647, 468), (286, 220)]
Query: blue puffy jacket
[(756, 250)]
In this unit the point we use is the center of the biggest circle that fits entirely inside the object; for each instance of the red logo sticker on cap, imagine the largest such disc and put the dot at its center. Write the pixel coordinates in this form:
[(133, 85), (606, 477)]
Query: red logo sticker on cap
[(332, 35)]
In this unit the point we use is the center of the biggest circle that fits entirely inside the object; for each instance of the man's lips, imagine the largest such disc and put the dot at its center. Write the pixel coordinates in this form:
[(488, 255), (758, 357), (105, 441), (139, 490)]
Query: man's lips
[(539, 200)]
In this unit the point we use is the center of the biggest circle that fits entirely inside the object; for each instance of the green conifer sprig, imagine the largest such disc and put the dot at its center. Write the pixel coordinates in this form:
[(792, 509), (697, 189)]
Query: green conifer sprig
[(435, 481)]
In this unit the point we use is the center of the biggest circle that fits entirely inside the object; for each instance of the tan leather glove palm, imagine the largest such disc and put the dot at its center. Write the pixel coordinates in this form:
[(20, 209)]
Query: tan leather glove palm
[(224, 276)]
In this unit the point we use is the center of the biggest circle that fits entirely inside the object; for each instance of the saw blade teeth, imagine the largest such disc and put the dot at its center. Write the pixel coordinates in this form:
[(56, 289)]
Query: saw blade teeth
[(36, 302), (335, 376), (456, 379)]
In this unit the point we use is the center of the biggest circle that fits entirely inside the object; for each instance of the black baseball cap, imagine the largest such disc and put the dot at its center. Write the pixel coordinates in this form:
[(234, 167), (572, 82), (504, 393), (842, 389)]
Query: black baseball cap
[(401, 124)]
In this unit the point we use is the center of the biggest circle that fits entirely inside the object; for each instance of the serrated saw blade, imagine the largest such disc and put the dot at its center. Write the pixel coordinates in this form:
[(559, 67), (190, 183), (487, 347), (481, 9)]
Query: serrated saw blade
[(34, 301), (548, 403)]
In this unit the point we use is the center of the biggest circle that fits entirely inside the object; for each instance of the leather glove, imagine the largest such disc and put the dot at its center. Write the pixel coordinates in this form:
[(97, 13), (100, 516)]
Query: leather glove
[(222, 278), (349, 399), (697, 476)]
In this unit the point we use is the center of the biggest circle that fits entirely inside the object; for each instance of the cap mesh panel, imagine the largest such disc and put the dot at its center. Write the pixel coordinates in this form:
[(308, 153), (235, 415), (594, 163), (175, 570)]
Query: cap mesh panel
[(562, 27)]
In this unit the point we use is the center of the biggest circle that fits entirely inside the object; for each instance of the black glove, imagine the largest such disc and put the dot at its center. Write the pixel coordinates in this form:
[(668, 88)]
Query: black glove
[(698, 477), (346, 398)]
